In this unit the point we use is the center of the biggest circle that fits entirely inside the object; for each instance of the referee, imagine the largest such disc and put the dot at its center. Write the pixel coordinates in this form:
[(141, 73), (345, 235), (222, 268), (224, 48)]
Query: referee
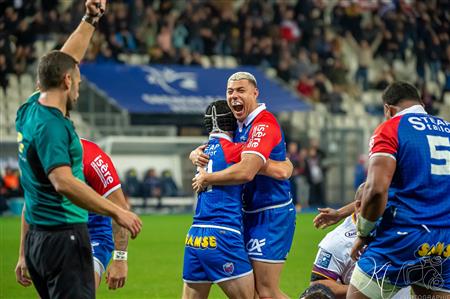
[(57, 247)]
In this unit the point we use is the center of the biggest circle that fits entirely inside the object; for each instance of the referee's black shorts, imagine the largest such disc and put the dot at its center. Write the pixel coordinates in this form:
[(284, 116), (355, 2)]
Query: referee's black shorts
[(59, 260)]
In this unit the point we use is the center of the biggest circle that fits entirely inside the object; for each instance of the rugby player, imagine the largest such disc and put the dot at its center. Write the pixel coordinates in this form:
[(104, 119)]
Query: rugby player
[(214, 246), (333, 266), (100, 174), (269, 214), (408, 185)]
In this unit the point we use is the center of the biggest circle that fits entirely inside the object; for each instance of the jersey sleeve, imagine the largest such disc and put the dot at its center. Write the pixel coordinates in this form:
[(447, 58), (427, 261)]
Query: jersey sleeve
[(328, 264), (384, 141), (264, 136), (98, 169), (52, 145), (232, 151)]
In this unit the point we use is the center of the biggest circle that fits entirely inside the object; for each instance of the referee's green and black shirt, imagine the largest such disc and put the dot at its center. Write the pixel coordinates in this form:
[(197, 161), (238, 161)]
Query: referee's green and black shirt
[(47, 140)]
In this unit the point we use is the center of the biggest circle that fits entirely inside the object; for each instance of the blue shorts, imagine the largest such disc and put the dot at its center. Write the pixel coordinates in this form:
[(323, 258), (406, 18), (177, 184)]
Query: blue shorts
[(409, 256), (214, 255), (268, 234), (102, 251)]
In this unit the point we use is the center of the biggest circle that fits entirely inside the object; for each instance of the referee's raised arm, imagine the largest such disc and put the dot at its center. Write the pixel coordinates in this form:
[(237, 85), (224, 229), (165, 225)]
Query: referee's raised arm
[(78, 42)]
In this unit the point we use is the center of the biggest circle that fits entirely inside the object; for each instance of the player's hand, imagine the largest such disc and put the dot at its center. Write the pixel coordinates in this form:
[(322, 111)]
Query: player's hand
[(22, 275), (359, 246), (95, 8), (326, 217), (129, 220), (116, 274), (199, 181), (198, 157)]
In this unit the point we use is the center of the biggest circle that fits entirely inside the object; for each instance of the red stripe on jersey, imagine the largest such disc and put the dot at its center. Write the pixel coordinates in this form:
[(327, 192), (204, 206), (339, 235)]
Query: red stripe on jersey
[(98, 169), (232, 151), (385, 138), (264, 135)]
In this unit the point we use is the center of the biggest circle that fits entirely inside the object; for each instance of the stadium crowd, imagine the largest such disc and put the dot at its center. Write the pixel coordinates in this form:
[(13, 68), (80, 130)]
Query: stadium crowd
[(318, 47)]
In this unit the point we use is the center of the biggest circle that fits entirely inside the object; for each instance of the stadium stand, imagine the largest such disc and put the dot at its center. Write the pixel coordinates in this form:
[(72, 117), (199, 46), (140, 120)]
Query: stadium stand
[(338, 55)]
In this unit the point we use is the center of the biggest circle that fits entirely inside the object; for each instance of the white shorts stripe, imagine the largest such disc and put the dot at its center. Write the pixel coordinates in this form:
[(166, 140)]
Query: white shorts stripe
[(233, 277), (267, 261), (216, 226), (98, 267)]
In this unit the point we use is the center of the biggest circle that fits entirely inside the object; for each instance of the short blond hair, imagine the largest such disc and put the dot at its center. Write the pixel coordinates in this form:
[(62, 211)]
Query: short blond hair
[(243, 76)]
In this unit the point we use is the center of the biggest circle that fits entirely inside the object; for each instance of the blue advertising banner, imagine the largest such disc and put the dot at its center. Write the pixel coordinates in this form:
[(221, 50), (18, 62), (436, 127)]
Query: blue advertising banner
[(171, 89)]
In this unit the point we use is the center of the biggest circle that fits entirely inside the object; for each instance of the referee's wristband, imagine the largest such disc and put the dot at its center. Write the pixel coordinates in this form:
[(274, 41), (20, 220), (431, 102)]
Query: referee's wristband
[(119, 255), (364, 227), (93, 20)]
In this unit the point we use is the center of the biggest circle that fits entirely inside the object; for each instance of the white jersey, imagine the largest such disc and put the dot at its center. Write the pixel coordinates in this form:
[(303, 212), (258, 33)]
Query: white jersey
[(333, 259)]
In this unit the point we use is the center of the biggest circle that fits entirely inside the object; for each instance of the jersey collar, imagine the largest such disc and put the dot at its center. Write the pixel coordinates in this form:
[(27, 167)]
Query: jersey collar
[(413, 109), (261, 107), (220, 135)]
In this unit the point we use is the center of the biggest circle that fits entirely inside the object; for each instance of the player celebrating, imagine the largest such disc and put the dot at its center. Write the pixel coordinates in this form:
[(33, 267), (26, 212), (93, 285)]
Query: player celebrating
[(333, 266), (408, 184), (215, 250), (101, 175), (269, 214)]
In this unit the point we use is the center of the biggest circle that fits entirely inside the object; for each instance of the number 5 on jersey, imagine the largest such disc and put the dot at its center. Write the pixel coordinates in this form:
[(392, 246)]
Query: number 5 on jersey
[(439, 150)]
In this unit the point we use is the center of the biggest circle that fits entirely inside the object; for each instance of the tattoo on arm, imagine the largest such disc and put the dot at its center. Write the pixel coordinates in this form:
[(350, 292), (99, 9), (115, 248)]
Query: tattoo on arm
[(120, 237)]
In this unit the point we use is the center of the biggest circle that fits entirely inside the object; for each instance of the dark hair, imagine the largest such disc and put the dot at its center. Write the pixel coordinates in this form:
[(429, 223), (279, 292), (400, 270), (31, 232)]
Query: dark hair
[(218, 117), (318, 291), (400, 91), (52, 68)]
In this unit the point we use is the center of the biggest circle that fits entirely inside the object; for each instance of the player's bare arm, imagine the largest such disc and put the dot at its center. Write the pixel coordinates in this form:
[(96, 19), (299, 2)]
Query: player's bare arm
[(379, 176), (78, 42), (22, 275), (280, 170), (83, 196), (239, 173), (117, 272), (329, 216)]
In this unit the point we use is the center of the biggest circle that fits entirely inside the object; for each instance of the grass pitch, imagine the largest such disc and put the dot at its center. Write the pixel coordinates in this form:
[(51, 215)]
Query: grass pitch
[(155, 259)]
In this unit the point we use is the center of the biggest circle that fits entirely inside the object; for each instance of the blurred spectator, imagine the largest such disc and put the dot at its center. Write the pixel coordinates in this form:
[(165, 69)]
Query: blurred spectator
[(151, 184), (132, 186), (294, 155), (11, 184), (365, 53), (3, 205), (360, 171), (168, 186), (315, 173)]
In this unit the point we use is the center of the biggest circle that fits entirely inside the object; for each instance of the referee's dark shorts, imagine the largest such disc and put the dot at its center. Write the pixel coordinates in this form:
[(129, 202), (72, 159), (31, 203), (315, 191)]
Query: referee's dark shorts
[(59, 259)]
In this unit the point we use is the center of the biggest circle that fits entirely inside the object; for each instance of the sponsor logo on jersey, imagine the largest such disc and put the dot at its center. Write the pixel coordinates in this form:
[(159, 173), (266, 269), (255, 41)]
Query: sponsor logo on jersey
[(350, 234), (324, 259), (254, 246), (201, 242), (257, 134), (228, 268), (101, 168), (439, 249)]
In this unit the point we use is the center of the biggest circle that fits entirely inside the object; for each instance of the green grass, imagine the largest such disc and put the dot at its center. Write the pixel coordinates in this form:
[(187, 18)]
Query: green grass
[(156, 259)]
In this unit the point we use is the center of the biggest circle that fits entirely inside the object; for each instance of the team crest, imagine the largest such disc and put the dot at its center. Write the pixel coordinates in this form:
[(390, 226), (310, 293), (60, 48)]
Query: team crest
[(228, 268)]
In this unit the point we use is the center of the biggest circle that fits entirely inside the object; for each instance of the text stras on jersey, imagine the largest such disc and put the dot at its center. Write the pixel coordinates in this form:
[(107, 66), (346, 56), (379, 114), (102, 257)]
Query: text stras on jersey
[(421, 123)]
